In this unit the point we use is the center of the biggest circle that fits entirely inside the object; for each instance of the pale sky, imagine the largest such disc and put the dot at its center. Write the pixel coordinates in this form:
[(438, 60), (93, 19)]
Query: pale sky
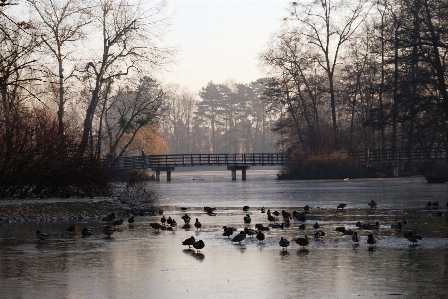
[(220, 40)]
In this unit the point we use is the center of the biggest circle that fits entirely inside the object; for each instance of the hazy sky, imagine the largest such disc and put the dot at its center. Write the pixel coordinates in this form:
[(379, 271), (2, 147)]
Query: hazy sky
[(220, 40)]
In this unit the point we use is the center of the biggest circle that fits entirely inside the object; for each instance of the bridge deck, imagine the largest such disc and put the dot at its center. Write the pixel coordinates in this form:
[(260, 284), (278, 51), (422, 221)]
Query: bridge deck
[(164, 161)]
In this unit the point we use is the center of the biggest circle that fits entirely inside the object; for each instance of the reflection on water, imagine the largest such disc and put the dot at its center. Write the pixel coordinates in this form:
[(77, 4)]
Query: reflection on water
[(139, 262)]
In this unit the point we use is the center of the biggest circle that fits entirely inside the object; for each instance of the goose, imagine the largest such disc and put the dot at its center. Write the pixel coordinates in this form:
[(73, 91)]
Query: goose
[(41, 236), (260, 236), (303, 241), (371, 240), (108, 231), (413, 237), (250, 232), (198, 245), (240, 237), (72, 228), (283, 243), (86, 231), (197, 224), (189, 242), (341, 206), (355, 237)]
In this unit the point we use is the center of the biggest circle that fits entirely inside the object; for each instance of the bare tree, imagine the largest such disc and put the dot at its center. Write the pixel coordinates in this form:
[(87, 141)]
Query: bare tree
[(61, 25), (327, 25), (130, 35)]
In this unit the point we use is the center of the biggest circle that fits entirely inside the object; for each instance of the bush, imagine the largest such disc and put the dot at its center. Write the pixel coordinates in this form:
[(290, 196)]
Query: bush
[(335, 165), (139, 193)]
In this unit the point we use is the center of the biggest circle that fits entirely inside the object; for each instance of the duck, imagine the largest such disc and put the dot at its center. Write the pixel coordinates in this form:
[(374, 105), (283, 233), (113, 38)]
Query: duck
[(271, 218), (348, 232), (278, 225), (355, 237), (163, 220), (41, 236), (263, 210), (186, 218), (189, 242), (108, 231), (169, 220), (260, 236), (109, 217), (341, 206), (131, 220), (276, 213), (316, 225), (375, 225), (404, 221), (396, 226), (286, 217), (306, 209), (301, 217), (340, 229), (173, 223), (197, 224), (247, 218), (302, 226), (240, 237), (361, 225), (72, 228), (371, 240), (372, 204), (86, 231), (319, 234), (260, 226), (198, 245), (117, 223), (246, 208), (283, 243), (183, 208), (156, 225), (227, 231), (250, 232), (209, 209), (303, 241)]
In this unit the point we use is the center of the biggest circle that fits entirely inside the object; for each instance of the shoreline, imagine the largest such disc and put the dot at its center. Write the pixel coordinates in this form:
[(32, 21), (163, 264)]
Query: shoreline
[(54, 209)]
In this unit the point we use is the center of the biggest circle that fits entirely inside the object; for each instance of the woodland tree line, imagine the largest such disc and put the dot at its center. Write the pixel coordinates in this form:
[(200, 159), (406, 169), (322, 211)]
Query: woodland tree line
[(79, 89)]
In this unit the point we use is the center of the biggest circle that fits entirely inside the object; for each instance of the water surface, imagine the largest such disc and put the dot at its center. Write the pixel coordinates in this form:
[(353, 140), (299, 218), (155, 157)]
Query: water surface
[(140, 262)]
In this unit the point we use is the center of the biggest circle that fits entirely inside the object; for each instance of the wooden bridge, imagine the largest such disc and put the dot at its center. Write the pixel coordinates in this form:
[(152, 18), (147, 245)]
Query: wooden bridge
[(233, 162), (243, 162)]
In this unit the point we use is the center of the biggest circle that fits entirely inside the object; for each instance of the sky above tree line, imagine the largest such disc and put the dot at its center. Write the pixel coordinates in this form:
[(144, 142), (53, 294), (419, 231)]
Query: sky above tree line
[(220, 40)]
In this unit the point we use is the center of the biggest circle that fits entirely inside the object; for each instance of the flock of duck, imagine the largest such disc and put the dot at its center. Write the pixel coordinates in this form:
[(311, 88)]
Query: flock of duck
[(272, 217)]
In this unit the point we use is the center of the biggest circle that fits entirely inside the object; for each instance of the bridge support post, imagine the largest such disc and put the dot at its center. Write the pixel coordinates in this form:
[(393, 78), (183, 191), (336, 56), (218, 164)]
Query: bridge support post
[(395, 171), (159, 169), (235, 168)]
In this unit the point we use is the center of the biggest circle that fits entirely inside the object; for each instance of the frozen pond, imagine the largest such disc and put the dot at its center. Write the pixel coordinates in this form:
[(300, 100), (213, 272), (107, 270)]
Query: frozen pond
[(140, 262)]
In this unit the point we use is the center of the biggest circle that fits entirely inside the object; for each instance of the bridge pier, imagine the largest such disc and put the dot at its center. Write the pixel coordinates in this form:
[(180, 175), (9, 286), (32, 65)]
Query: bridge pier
[(168, 172), (235, 168)]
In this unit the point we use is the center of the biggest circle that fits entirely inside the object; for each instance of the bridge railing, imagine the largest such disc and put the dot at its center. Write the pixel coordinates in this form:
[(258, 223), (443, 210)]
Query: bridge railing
[(203, 159), (418, 154)]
